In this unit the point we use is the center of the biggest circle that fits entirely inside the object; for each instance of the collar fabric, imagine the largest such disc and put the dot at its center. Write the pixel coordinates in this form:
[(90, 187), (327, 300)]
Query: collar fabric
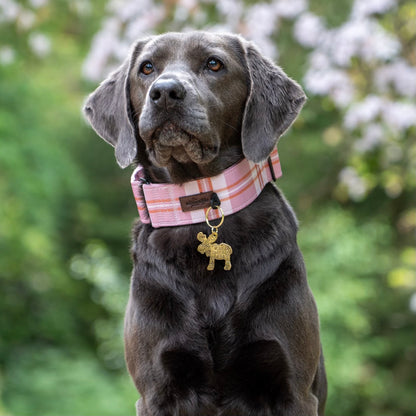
[(237, 187)]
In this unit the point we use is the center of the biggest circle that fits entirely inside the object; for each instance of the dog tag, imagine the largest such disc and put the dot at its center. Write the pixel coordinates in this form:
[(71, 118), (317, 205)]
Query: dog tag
[(210, 248)]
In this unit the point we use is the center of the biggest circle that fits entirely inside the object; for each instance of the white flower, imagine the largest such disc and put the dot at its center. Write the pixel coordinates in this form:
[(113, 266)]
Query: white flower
[(231, 9), (343, 93), (103, 46), (261, 20), (290, 8), (38, 3), (143, 24), (354, 183), (373, 136), (7, 55), (318, 59), (364, 8), (380, 45), (364, 112), (327, 80), (309, 29), (267, 47), (343, 43), (188, 4), (364, 38), (82, 7), (361, 38), (26, 19), (129, 11), (181, 14), (260, 24), (9, 10), (399, 116), (400, 75), (412, 303), (40, 44)]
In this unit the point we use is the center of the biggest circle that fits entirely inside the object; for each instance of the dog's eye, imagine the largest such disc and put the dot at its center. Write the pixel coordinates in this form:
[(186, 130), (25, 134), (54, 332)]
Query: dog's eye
[(146, 68), (214, 64)]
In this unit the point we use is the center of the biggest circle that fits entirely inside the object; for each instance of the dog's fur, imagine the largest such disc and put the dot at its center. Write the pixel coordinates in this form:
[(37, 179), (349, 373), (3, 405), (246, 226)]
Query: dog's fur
[(197, 342)]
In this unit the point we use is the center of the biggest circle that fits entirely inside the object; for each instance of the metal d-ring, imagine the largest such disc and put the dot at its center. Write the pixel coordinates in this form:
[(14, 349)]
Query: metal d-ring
[(214, 227)]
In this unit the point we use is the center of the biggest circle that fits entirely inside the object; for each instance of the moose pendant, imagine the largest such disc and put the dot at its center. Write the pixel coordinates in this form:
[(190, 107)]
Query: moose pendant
[(213, 250)]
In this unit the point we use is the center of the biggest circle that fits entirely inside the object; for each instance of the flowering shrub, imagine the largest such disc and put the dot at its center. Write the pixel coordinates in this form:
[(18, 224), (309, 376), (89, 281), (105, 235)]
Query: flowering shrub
[(365, 67)]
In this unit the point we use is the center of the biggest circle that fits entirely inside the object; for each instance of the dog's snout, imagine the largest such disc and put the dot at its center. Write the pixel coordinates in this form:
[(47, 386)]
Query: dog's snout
[(167, 92)]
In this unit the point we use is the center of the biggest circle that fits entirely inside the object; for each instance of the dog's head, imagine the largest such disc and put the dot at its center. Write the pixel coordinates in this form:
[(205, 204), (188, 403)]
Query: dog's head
[(194, 103)]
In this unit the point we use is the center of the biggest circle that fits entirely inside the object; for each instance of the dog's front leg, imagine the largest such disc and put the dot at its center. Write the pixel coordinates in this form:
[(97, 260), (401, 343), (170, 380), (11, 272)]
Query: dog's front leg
[(186, 385), (181, 386), (169, 360)]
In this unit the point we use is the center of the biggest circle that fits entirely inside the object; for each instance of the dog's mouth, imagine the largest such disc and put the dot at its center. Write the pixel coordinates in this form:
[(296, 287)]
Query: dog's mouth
[(171, 141)]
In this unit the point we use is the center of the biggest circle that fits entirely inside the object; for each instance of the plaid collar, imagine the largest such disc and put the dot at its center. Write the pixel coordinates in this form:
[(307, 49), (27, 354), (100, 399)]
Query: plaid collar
[(165, 205)]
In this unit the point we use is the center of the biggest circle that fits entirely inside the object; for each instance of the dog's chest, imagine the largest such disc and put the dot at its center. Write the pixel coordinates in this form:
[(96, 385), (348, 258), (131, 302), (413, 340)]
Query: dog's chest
[(215, 300)]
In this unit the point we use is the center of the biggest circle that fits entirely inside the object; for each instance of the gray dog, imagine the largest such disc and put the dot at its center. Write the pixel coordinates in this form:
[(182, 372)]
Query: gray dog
[(238, 341)]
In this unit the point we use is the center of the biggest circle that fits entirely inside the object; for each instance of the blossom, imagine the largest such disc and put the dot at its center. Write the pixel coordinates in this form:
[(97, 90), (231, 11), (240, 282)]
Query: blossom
[(399, 116), (188, 4), (324, 79), (380, 45), (364, 8), (260, 24), (82, 7), (128, 22), (9, 10), (261, 20), (233, 10), (40, 44), (309, 29), (26, 19), (290, 8), (364, 111), (412, 303), (353, 182), (143, 24), (7, 55), (360, 38), (38, 3), (126, 10), (400, 75), (373, 137), (104, 44)]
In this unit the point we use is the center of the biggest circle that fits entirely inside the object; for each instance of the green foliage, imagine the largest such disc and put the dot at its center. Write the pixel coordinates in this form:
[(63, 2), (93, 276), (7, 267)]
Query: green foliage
[(109, 289), (53, 382), (347, 265)]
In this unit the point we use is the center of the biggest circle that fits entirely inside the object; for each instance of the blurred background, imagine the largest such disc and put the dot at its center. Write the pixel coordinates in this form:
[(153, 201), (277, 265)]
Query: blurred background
[(66, 208)]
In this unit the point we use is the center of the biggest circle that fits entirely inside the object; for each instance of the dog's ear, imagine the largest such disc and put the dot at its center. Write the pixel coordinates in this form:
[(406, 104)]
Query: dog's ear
[(109, 113), (272, 105)]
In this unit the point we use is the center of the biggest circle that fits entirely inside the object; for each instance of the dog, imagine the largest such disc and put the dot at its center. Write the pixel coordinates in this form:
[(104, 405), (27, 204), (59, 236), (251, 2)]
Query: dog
[(238, 341)]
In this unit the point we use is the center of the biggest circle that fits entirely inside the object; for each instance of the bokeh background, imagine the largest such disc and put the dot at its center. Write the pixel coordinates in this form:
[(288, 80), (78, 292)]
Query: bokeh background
[(66, 208)]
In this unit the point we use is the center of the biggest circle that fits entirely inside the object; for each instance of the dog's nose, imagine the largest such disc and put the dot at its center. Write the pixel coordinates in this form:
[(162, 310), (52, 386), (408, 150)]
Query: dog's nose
[(167, 92)]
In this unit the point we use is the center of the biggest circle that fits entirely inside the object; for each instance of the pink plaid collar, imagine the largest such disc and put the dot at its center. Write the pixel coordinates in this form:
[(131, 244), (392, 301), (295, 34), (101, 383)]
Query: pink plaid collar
[(163, 205)]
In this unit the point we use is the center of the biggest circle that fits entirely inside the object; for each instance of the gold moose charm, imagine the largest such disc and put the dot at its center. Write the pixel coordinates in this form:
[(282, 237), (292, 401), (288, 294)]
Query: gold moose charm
[(211, 249)]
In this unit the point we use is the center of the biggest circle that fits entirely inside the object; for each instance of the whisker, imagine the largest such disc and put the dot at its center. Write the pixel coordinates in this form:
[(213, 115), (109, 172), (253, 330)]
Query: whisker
[(228, 125)]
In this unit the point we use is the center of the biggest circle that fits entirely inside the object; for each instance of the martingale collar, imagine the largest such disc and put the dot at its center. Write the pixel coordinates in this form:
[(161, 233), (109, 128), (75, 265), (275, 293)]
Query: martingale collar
[(167, 205)]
